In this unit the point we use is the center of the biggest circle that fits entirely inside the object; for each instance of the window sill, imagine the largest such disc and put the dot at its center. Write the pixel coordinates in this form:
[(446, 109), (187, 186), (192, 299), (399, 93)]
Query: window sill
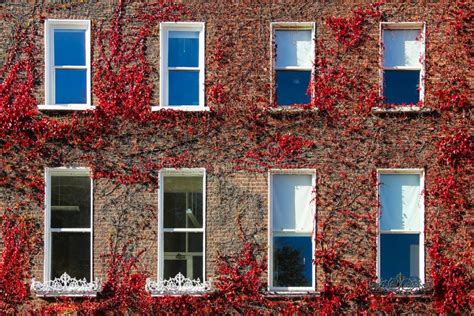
[(402, 109), (66, 107), (292, 109), (183, 108), (66, 286), (291, 293)]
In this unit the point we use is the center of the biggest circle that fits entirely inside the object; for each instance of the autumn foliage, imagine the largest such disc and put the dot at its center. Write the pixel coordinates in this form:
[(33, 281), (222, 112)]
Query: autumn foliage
[(125, 143)]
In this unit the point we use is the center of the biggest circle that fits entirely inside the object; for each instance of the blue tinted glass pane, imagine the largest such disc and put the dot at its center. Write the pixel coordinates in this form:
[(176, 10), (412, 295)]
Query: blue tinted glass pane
[(292, 261), (292, 87), (71, 86), (184, 88), (401, 87), (69, 47), (183, 49), (399, 253)]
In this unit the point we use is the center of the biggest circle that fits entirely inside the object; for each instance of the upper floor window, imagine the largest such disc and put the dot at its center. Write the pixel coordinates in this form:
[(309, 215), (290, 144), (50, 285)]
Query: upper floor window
[(292, 223), (67, 65), (401, 239), (182, 66), (293, 62), (403, 64)]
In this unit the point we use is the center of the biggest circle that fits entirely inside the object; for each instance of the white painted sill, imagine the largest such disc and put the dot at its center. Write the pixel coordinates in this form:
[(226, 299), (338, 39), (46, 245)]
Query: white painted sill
[(65, 107), (291, 109), (402, 109), (183, 108)]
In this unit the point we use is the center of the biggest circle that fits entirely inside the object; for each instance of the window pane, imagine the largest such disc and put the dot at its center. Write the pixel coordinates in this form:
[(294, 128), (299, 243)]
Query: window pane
[(71, 86), (183, 49), (187, 247), (173, 267), (69, 47), (70, 253), (183, 202), (400, 202), (291, 198), (292, 261), (402, 48), (399, 254), (292, 87), (70, 202), (293, 48), (401, 86), (183, 87)]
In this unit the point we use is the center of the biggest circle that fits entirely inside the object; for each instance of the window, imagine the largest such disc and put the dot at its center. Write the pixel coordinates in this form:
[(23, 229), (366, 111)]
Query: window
[(401, 241), (291, 222), (68, 223), (293, 62), (182, 66), (182, 224), (67, 63), (403, 71)]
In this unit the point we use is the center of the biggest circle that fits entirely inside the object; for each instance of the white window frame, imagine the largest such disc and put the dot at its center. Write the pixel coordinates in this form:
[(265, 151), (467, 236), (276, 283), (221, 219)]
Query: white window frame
[(185, 172), (404, 26), (290, 232), (421, 232), (289, 26), (65, 171), (49, 73), (165, 28)]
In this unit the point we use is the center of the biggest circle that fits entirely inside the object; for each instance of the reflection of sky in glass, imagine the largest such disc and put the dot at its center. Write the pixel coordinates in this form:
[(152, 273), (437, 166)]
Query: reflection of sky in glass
[(71, 86), (304, 247), (183, 87), (69, 47), (183, 49), (401, 86), (291, 87), (399, 253)]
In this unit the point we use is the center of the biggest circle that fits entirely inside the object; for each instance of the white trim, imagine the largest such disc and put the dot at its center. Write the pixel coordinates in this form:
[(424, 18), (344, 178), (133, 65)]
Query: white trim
[(184, 172), (48, 230), (404, 26), (421, 232), (274, 26), (49, 73), (289, 232), (165, 27)]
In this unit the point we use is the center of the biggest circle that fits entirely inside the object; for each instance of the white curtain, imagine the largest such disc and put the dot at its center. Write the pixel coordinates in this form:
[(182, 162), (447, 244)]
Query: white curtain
[(292, 205), (293, 48), (400, 202), (402, 48)]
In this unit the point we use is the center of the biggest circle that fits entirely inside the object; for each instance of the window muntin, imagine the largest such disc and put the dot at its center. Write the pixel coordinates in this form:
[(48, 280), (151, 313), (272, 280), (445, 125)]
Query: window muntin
[(183, 224), (292, 213), (403, 71), (182, 65), (68, 227), (401, 238), (293, 62), (67, 61)]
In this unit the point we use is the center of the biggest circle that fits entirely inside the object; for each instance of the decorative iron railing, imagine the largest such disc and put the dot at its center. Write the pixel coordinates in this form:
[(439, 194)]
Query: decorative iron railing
[(66, 286), (400, 284), (178, 285)]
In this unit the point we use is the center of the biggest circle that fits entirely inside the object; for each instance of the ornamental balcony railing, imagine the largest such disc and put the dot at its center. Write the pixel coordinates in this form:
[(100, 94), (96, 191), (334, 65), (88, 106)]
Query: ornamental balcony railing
[(179, 285), (400, 285), (66, 286)]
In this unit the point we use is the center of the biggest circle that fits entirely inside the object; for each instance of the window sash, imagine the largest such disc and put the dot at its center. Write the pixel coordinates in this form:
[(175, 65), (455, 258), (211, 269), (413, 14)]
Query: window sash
[(289, 233), (165, 28), (48, 230), (421, 67), (419, 232), (50, 67), (185, 173)]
